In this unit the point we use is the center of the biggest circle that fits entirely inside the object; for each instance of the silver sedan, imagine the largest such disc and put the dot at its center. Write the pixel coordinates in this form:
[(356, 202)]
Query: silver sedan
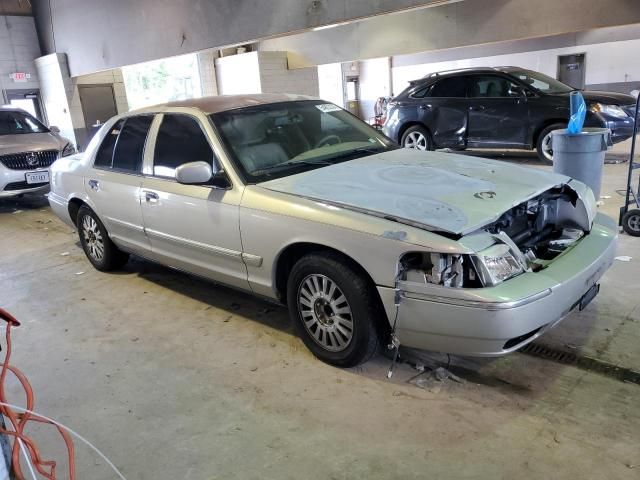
[(294, 199)]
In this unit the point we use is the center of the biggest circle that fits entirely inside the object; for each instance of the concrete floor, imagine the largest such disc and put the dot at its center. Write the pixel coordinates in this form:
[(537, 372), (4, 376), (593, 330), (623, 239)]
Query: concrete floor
[(176, 378)]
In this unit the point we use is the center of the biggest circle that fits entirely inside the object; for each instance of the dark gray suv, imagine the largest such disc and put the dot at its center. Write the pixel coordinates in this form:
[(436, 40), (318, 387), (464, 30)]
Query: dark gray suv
[(503, 107)]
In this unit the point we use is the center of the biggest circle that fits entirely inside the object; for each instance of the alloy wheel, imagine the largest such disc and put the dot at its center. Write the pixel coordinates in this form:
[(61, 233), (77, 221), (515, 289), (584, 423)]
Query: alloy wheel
[(547, 146), (93, 238), (417, 141), (634, 223), (325, 312)]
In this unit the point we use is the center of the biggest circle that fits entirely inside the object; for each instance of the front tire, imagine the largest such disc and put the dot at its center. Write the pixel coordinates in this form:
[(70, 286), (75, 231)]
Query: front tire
[(417, 138), (98, 247), (543, 145), (334, 308)]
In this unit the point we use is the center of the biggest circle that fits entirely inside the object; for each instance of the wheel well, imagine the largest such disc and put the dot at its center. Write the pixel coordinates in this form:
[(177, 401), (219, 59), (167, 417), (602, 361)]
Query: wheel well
[(74, 207), (292, 253), (408, 125), (545, 124)]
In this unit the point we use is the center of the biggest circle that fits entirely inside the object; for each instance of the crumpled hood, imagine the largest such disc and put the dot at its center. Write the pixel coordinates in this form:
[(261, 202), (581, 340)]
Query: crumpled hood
[(437, 191), (30, 142)]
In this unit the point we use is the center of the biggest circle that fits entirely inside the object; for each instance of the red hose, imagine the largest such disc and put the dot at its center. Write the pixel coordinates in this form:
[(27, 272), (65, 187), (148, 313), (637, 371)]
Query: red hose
[(46, 468)]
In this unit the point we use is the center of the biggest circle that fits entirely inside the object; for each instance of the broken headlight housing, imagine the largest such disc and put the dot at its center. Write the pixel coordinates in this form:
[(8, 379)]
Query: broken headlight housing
[(496, 264)]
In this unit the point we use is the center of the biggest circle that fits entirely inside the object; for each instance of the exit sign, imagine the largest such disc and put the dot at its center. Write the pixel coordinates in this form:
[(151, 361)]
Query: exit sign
[(19, 76)]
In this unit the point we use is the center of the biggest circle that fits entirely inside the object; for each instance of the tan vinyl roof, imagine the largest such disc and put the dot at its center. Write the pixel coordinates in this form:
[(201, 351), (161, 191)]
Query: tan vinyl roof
[(222, 103)]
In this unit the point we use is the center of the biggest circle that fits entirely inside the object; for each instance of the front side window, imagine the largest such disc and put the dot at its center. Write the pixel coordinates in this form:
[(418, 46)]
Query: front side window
[(180, 140), (13, 122), (541, 82), (280, 139), (492, 86), (451, 87)]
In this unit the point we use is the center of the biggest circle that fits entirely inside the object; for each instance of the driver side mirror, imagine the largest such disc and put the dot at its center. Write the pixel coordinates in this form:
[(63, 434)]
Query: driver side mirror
[(194, 173), (54, 129)]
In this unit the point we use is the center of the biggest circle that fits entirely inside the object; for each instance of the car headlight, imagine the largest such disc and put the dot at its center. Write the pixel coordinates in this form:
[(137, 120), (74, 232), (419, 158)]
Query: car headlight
[(496, 264), (69, 149), (611, 110)]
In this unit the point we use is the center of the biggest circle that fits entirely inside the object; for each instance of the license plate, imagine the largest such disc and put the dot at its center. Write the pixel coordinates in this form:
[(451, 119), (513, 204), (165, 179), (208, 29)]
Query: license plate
[(590, 295), (37, 177)]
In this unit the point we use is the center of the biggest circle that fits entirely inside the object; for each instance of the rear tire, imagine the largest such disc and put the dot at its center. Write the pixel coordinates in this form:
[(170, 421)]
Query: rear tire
[(334, 308), (543, 145), (98, 247), (417, 138), (631, 222)]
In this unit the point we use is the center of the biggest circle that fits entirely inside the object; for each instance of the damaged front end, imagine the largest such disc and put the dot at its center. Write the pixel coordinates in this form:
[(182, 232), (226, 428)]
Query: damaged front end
[(526, 238)]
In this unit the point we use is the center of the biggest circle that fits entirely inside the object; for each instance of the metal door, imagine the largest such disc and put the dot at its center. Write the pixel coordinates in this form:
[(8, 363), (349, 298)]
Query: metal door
[(98, 104), (571, 70), (28, 100)]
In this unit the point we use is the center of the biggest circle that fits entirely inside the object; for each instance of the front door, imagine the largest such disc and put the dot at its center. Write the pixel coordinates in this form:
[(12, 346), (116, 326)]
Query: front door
[(98, 106), (192, 227), (571, 70), (115, 179), (27, 100), (498, 113), (442, 107)]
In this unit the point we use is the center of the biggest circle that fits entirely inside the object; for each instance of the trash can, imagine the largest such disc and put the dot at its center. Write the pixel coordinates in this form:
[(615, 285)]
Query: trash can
[(581, 156)]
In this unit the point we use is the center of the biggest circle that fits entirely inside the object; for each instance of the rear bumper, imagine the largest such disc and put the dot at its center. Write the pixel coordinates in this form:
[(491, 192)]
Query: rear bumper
[(60, 207), (498, 320)]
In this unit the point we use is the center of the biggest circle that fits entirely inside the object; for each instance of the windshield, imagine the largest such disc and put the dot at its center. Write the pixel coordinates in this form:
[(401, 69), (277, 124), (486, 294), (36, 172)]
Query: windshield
[(13, 122), (541, 82), (281, 139)]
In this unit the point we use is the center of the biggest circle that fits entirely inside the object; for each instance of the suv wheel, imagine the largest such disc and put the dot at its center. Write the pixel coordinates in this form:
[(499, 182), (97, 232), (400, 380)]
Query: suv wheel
[(544, 147), (334, 309), (98, 247), (418, 138)]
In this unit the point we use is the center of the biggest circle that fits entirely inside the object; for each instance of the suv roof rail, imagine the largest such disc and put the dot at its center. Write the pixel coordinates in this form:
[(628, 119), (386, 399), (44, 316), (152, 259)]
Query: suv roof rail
[(457, 70)]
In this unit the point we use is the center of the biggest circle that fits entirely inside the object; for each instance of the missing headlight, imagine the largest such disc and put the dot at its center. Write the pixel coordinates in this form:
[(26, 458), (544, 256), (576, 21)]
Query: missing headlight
[(448, 270)]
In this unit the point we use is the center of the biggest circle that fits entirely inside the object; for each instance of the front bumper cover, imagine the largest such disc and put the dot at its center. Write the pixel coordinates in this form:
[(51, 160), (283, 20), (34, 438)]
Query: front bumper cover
[(498, 320)]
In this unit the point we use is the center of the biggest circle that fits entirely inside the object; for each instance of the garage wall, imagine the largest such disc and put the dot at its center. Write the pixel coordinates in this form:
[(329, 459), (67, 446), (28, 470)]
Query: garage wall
[(608, 65), (275, 76), (375, 81), (18, 49), (263, 72), (238, 74)]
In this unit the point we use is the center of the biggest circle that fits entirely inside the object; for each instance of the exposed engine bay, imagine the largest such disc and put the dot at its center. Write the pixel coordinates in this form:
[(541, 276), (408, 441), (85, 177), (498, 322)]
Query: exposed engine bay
[(526, 239)]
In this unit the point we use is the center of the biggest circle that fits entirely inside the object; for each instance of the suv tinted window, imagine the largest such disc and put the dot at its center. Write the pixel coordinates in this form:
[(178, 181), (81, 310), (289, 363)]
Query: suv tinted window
[(180, 140), (452, 87), (130, 144), (492, 86), (105, 152)]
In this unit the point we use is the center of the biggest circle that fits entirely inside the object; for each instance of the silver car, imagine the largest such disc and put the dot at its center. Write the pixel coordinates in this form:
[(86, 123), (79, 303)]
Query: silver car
[(294, 199), (27, 150)]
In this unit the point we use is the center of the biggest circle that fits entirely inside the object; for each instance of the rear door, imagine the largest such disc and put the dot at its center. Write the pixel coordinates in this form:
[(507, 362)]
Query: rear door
[(192, 227), (113, 183), (498, 112), (443, 109)]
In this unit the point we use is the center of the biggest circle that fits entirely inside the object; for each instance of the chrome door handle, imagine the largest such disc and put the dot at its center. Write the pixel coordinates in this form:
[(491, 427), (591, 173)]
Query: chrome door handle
[(478, 108), (94, 184), (151, 197)]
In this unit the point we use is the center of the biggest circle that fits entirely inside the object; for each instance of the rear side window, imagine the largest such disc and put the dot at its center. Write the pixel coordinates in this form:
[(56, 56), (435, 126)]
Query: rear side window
[(130, 145), (180, 140), (105, 152), (123, 147), (452, 87)]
